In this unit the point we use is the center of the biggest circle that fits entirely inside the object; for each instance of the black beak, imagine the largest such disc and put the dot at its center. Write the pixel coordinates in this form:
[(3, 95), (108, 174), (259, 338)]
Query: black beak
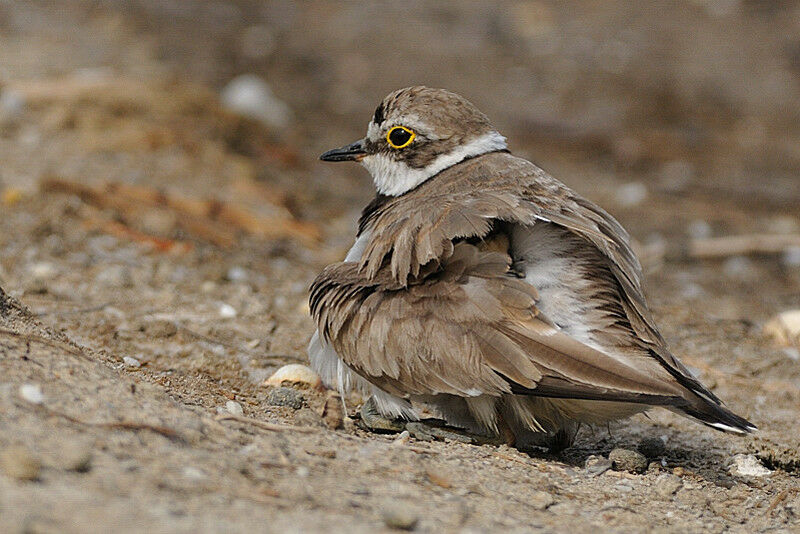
[(352, 152)]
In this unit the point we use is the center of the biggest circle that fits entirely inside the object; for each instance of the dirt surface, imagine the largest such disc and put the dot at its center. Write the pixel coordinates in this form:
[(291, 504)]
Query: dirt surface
[(129, 332)]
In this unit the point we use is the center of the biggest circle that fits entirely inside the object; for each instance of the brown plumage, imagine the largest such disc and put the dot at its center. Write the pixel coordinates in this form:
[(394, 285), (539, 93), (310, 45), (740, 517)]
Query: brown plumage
[(492, 292)]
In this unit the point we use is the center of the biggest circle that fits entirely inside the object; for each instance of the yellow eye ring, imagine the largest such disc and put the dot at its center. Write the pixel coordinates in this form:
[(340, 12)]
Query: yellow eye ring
[(402, 137)]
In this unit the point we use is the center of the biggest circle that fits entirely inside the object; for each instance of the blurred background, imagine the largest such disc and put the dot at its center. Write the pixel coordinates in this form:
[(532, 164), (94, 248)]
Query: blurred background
[(685, 97)]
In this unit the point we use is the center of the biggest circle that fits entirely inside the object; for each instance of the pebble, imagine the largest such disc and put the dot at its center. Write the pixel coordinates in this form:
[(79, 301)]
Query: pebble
[(667, 484), (403, 438), (628, 460), (651, 447), (597, 465), (747, 465), (699, 229), (20, 463), (784, 328), (43, 270), (631, 194), (31, 393), (234, 408), (226, 311), (400, 519), (236, 274), (791, 258), (252, 97), (12, 102), (294, 373), (282, 396), (308, 417), (540, 500), (131, 362)]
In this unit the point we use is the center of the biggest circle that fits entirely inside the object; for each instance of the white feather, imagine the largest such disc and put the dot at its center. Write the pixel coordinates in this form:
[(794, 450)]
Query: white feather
[(394, 177)]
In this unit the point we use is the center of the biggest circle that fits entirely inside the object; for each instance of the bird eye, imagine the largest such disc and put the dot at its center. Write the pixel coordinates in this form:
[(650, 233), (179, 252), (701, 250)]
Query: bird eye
[(400, 137)]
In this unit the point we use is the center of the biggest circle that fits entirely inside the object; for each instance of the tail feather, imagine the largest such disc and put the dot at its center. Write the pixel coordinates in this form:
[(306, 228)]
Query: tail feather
[(716, 416)]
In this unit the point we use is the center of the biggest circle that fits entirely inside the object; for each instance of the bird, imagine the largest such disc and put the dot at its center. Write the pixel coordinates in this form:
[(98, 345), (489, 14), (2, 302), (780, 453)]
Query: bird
[(483, 290)]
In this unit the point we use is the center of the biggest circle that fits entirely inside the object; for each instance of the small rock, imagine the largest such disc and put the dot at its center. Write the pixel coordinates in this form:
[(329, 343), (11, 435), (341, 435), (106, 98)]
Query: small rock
[(252, 97), (226, 311), (308, 417), (651, 447), (282, 396), (791, 258), (193, 473), (667, 485), (403, 438), (43, 270), (628, 460), (131, 362), (784, 329), (294, 373), (18, 462), (540, 500), (400, 519), (333, 411), (699, 229), (631, 194), (747, 465), (12, 102), (236, 274), (31, 393), (597, 465), (234, 408)]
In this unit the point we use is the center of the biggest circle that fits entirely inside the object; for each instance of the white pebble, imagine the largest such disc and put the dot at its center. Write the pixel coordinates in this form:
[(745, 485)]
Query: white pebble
[(226, 311), (43, 270), (234, 407), (302, 471), (699, 229), (131, 362), (250, 96), (791, 258), (31, 393), (631, 194), (294, 373), (784, 328), (193, 473), (12, 102), (236, 274), (747, 465)]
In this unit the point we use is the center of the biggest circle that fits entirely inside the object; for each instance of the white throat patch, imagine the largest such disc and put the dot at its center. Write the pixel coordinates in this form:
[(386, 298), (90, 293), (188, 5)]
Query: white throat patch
[(394, 178)]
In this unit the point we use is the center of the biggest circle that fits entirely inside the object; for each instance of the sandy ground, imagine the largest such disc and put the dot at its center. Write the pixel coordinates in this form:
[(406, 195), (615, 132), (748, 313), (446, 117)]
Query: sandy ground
[(120, 359)]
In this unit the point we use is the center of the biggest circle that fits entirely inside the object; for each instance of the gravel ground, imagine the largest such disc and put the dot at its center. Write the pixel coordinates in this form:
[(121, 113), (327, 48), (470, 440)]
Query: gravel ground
[(123, 360)]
